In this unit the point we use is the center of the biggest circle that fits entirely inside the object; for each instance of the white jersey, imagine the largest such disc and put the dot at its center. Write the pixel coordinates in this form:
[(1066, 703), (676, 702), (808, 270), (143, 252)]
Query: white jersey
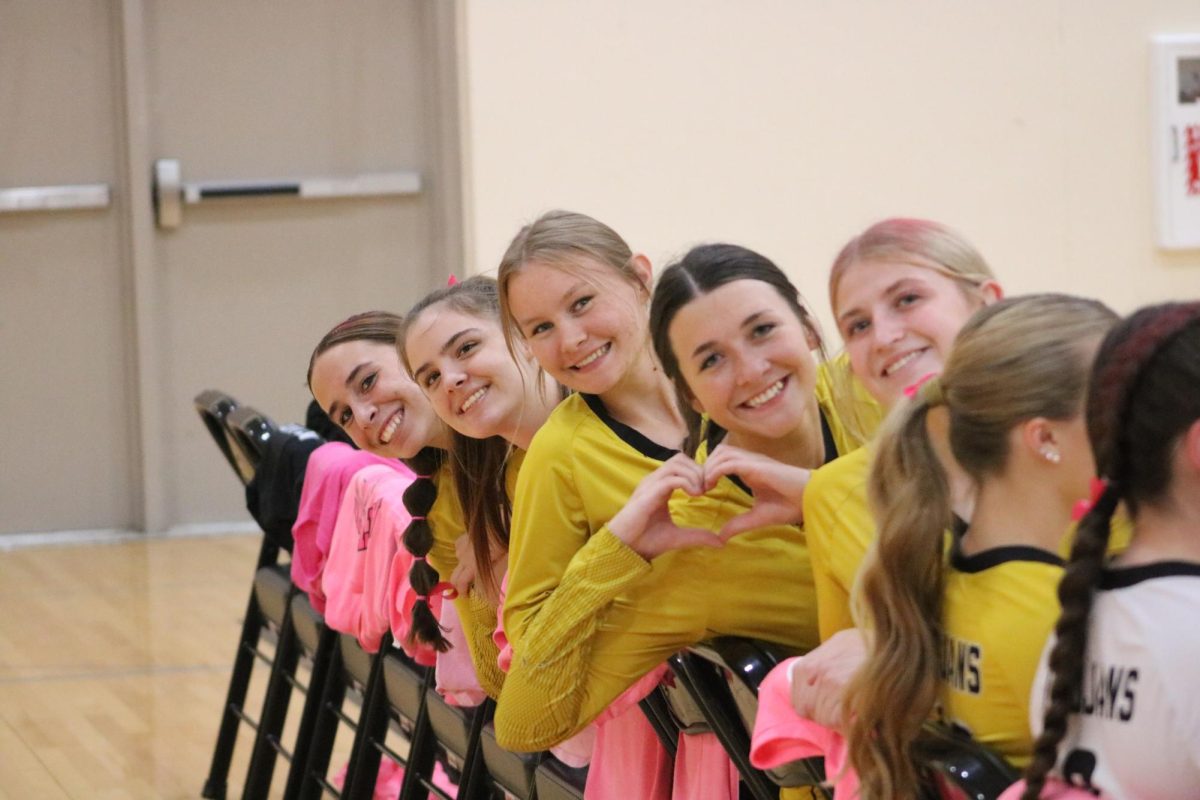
[(1137, 730)]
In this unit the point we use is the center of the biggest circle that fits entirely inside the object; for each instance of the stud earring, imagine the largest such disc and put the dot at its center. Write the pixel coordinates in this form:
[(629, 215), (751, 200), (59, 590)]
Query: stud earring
[(1050, 454)]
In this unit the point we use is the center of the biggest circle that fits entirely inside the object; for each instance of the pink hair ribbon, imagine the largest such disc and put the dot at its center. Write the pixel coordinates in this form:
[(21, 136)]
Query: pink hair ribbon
[(1096, 488), (911, 391)]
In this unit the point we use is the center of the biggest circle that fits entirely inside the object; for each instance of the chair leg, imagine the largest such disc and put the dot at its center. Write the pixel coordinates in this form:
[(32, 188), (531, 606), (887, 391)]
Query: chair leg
[(712, 694), (216, 784), (322, 673), (422, 748), (372, 726), (274, 712), (474, 784), (324, 729)]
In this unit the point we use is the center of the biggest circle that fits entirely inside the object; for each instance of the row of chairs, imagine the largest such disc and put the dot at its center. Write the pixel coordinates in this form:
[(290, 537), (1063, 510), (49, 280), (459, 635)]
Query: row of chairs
[(715, 689), (392, 692)]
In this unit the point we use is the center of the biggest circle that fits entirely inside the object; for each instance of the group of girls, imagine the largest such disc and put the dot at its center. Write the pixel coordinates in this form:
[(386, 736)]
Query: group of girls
[(625, 467)]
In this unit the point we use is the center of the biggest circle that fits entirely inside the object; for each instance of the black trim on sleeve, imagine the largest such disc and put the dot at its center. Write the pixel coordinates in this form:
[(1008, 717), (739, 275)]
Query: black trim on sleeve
[(1000, 555), (631, 436), (1124, 577)]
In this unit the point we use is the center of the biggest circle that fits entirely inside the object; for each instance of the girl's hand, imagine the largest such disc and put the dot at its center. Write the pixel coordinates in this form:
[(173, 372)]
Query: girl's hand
[(645, 523), (819, 679), (778, 488), (467, 571), (464, 574)]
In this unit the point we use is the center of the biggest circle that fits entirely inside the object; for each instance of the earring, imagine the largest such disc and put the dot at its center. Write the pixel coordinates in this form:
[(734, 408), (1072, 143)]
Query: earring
[(1050, 454)]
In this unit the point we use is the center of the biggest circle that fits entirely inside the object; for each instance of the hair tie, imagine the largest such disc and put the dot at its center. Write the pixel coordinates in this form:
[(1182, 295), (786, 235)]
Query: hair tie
[(931, 392), (419, 558), (415, 517), (928, 388), (451, 281), (1096, 489), (911, 390)]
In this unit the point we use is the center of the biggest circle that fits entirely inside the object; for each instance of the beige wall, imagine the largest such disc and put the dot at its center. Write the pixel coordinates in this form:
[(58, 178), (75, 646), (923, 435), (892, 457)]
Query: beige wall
[(789, 126)]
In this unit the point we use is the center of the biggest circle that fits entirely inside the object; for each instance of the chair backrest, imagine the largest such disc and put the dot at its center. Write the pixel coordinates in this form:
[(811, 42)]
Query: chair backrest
[(956, 767), (214, 406), (744, 664), (249, 430)]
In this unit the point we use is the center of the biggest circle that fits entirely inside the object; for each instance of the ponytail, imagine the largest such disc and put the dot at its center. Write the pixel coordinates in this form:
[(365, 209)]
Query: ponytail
[(900, 592), (1013, 361)]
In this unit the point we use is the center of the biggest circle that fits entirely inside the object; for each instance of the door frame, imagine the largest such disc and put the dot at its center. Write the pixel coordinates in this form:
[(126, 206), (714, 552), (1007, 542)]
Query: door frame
[(443, 25)]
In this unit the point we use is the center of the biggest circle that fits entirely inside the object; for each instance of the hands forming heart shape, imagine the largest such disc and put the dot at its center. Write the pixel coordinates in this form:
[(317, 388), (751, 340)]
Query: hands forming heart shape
[(645, 523)]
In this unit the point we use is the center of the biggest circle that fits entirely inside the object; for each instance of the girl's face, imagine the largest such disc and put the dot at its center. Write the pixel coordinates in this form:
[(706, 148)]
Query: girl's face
[(746, 358), (364, 389), (899, 321), (585, 327), (462, 365)]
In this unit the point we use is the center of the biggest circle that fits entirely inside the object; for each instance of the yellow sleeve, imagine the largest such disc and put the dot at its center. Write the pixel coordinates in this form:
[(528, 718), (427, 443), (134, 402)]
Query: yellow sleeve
[(478, 617), (839, 528), (545, 692), (549, 525)]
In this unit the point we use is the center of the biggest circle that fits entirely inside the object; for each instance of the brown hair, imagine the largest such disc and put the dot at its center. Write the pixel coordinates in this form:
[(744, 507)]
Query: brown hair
[(478, 465), (384, 327), (375, 326), (1013, 361), (1141, 399), (703, 269)]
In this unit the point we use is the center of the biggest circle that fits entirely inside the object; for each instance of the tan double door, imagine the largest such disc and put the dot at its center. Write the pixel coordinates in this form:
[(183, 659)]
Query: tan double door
[(109, 324)]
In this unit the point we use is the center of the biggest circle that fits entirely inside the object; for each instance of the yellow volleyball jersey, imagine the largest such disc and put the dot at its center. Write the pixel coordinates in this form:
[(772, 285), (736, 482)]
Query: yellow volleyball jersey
[(566, 572), (580, 469), (999, 607), (759, 584), (587, 615), (475, 613), (840, 529)]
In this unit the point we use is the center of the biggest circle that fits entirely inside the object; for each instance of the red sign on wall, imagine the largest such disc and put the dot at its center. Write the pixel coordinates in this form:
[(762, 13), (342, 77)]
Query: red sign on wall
[(1193, 159)]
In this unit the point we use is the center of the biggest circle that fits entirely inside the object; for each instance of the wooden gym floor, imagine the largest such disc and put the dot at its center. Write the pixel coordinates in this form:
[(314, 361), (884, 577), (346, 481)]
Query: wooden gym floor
[(114, 663)]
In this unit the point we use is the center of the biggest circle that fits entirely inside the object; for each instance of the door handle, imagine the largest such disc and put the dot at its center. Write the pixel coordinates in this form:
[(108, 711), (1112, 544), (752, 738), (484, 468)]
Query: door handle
[(54, 198), (171, 192)]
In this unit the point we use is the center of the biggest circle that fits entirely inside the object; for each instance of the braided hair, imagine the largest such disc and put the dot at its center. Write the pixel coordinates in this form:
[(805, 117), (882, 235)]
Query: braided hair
[(419, 498), (1142, 396)]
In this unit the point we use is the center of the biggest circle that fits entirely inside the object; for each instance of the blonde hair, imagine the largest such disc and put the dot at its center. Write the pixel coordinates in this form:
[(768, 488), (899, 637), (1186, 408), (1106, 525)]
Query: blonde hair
[(919, 242), (560, 239), (1013, 361)]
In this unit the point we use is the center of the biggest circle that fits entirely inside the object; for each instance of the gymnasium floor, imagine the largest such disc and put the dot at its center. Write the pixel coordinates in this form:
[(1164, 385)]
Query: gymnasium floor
[(114, 662)]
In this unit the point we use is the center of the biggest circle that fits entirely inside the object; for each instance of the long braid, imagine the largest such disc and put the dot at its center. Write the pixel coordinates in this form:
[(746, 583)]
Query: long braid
[(1116, 387), (419, 498)]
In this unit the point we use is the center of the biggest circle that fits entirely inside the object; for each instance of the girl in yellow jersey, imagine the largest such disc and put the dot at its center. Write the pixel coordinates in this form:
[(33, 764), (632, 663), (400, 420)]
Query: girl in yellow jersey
[(965, 637), (452, 344), (900, 292), (601, 590)]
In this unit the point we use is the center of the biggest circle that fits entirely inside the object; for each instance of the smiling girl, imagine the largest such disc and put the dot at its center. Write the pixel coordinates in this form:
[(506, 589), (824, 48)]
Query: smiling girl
[(605, 588), (900, 293), (455, 350)]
